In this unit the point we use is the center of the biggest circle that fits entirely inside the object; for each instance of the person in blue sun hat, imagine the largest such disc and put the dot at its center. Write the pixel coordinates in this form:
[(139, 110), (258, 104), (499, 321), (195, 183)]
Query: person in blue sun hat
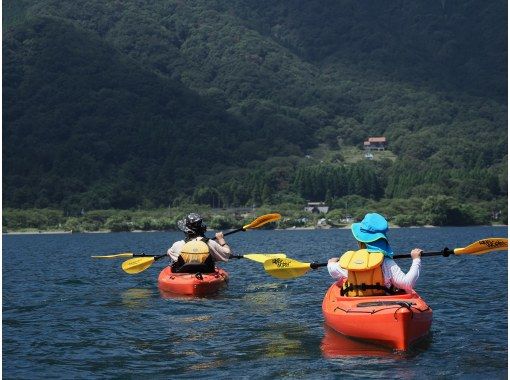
[(371, 270)]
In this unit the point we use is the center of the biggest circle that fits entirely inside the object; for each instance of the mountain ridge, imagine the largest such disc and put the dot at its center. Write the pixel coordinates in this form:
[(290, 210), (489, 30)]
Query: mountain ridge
[(266, 102)]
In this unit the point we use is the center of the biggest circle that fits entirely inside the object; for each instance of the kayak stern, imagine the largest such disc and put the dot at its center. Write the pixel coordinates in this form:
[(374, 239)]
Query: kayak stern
[(192, 284), (396, 321)]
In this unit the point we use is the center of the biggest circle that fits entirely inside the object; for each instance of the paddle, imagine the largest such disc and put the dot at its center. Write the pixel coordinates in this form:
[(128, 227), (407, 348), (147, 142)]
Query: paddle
[(260, 257), (126, 254), (285, 268), (133, 266), (477, 248), (259, 222), (140, 264)]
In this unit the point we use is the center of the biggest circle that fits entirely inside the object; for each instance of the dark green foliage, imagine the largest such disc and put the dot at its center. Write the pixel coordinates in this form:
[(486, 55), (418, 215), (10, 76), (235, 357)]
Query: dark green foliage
[(320, 182), (439, 43), (445, 211), (118, 105), (90, 128), (33, 218)]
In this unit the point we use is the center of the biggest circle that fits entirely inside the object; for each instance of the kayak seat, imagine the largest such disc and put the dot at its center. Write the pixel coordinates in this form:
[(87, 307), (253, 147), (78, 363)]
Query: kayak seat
[(181, 267), (195, 268)]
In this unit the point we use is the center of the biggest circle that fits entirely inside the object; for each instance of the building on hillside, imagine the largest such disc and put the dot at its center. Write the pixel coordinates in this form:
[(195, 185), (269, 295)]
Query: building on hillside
[(316, 207), (375, 143)]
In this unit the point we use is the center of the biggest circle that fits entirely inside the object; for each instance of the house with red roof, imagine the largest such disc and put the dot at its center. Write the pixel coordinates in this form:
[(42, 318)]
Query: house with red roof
[(375, 143)]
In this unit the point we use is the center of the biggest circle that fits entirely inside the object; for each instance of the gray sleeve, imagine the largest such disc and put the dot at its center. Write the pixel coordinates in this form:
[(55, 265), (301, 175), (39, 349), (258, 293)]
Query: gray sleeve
[(175, 250), (218, 252)]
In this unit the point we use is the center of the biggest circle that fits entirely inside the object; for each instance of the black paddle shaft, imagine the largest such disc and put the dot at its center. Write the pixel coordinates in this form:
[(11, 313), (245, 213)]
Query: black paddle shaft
[(445, 252), (231, 232), (156, 257)]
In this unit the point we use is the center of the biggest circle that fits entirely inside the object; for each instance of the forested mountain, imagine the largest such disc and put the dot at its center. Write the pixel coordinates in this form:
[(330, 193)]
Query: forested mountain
[(447, 44), (90, 123), (126, 104)]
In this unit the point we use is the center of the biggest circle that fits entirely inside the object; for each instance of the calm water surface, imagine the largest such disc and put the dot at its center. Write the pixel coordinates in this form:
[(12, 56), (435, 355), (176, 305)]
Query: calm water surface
[(67, 316)]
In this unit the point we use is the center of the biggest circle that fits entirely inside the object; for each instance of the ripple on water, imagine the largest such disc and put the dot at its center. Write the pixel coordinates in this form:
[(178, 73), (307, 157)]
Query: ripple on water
[(91, 320)]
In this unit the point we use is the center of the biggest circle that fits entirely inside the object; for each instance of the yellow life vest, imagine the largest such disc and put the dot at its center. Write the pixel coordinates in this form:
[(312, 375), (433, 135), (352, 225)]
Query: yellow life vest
[(364, 273), (194, 252)]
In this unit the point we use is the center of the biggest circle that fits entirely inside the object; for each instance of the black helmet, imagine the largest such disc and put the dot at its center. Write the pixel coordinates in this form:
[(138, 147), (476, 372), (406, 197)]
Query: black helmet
[(192, 225)]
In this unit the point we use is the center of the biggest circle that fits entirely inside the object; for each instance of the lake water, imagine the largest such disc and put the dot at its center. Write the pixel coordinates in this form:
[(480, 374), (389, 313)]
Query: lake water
[(67, 316)]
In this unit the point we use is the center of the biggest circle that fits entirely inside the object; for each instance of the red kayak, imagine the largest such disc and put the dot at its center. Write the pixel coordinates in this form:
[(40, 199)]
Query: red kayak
[(396, 321), (194, 284)]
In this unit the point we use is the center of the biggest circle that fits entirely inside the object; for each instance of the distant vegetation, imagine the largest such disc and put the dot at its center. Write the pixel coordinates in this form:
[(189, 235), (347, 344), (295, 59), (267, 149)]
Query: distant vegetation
[(153, 106), (433, 210)]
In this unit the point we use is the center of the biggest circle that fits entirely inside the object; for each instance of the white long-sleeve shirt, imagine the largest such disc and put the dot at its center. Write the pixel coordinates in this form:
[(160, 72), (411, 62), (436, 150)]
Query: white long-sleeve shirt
[(391, 272), (217, 252)]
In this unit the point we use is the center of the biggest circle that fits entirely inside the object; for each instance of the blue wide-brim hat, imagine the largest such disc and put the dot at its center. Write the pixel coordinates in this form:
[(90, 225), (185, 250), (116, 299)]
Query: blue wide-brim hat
[(373, 227)]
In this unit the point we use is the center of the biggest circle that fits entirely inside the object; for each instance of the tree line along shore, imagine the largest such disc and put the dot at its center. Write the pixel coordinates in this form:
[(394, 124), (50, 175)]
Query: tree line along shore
[(431, 211)]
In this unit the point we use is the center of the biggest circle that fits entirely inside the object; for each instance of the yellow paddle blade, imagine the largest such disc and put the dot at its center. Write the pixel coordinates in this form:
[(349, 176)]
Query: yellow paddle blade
[(483, 246), (127, 254), (263, 257), (137, 265), (285, 268), (261, 220)]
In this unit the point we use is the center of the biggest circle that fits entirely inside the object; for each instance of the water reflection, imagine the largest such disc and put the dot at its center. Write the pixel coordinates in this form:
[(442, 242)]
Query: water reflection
[(174, 296), (281, 346), (273, 286), (188, 297), (266, 298), (136, 297), (195, 318), (335, 345), (207, 365)]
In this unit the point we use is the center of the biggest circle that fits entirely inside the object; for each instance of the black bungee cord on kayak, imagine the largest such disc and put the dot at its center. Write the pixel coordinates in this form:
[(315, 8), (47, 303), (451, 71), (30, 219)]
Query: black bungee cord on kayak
[(401, 304)]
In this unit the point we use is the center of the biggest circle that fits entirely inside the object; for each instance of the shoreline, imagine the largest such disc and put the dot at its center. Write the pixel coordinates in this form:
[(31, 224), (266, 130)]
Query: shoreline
[(62, 232)]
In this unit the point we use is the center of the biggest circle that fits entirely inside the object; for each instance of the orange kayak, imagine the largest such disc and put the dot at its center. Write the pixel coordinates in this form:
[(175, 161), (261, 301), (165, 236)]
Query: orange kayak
[(396, 321), (194, 284)]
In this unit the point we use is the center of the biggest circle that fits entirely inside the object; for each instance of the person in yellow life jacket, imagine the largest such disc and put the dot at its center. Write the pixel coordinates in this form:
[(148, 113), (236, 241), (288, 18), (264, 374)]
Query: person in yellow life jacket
[(371, 270), (196, 253)]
